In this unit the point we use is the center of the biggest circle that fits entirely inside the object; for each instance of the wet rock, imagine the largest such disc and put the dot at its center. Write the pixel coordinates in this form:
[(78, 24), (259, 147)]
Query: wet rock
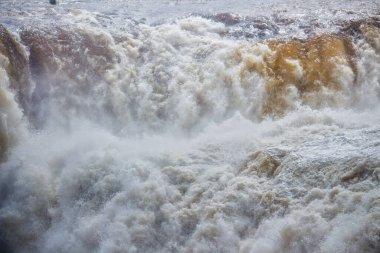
[(301, 70), (65, 57), (354, 28), (14, 87), (376, 174), (18, 66), (226, 18), (372, 35), (261, 163)]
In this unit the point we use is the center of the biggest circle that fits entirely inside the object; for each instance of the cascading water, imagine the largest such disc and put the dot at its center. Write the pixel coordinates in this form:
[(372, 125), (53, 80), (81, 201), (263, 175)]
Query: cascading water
[(190, 126)]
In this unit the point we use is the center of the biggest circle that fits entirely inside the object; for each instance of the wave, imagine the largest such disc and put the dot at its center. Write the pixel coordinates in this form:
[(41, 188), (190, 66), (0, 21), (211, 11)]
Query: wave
[(180, 137), (140, 78)]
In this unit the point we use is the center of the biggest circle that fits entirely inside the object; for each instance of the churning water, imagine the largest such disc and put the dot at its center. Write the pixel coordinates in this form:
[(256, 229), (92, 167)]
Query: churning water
[(190, 126)]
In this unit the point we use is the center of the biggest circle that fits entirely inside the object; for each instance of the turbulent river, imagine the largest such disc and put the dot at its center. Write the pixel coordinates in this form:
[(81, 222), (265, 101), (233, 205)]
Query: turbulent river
[(190, 126)]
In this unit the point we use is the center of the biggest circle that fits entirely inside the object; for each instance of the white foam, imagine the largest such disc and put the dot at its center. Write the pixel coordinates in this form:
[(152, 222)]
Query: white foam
[(173, 168)]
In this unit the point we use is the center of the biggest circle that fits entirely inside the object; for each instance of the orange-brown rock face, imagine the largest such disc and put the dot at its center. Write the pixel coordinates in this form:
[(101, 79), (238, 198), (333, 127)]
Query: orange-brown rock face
[(304, 68)]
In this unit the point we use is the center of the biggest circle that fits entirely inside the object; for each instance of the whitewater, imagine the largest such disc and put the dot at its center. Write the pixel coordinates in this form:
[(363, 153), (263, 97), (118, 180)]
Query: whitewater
[(190, 126)]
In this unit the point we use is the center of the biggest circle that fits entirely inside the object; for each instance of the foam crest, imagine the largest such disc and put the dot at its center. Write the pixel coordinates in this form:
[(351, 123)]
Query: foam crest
[(176, 137)]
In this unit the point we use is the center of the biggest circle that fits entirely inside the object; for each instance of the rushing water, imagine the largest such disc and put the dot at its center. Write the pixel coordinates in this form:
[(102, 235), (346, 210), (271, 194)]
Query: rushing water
[(190, 126)]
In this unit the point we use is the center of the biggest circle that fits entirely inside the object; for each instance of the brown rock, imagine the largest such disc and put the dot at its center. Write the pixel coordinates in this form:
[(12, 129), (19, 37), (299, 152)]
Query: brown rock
[(14, 79), (307, 67), (18, 65)]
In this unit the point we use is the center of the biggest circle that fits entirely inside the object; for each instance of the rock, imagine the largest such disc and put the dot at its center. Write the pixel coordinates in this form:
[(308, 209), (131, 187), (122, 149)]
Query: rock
[(300, 70), (372, 35), (60, 57), (18, 66), (14, 87), (261, 163)]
